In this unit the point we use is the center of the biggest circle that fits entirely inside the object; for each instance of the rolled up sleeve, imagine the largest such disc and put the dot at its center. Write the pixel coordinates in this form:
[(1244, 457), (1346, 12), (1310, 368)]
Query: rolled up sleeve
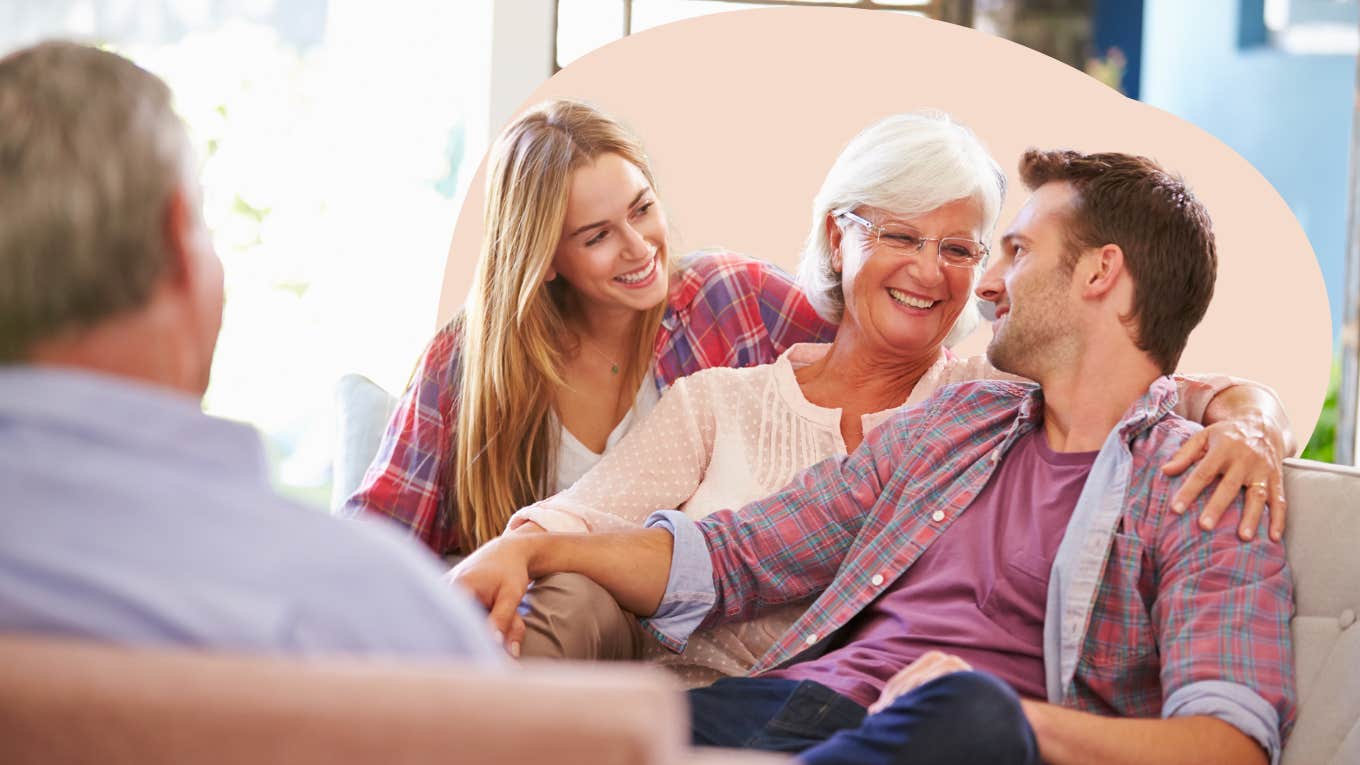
[(1234, 704), (689, 590)]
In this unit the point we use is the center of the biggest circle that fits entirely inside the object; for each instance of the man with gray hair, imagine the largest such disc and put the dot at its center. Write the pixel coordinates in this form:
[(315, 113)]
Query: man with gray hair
[(129, 515)]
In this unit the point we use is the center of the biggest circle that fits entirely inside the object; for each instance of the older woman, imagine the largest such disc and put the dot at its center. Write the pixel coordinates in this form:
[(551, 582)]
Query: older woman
[(899, 230)]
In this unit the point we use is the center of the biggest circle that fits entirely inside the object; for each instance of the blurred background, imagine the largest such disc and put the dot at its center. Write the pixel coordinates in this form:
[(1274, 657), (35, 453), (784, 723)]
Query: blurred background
[(338, 136)]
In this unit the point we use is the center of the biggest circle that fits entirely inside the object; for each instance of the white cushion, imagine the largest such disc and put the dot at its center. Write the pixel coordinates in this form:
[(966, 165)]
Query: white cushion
[(362, 411)]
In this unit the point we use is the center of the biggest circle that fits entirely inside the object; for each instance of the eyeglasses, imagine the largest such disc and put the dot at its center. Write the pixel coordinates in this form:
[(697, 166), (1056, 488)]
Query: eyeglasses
[(956, 251)]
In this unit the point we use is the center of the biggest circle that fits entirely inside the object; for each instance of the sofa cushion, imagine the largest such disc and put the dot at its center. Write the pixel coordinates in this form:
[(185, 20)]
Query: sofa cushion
[(362, 411), (1323, 544)]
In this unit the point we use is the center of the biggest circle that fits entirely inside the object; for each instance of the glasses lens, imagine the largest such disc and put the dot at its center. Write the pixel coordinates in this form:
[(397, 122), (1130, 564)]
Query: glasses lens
[(903, 239), (960, 252)]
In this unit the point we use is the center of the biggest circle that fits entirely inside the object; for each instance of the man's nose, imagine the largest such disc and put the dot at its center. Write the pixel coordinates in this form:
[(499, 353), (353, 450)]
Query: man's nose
[(991, 287)]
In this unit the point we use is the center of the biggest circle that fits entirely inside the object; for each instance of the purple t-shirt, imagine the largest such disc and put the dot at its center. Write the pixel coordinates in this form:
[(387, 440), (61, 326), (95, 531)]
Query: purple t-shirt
[(978, 592)]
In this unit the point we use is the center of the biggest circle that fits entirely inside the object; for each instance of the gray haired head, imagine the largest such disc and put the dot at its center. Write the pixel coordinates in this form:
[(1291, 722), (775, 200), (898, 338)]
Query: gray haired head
[(908, 164), (90, 153)]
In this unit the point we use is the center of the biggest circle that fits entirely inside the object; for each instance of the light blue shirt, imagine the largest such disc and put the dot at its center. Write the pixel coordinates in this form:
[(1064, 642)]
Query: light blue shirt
[(127, 515)]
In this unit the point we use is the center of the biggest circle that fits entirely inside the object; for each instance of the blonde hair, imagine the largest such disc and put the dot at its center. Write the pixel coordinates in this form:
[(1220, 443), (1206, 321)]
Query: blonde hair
[(910, 164), (513, 323)]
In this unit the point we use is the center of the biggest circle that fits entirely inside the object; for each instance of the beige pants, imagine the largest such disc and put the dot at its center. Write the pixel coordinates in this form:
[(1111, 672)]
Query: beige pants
[(571, 617)]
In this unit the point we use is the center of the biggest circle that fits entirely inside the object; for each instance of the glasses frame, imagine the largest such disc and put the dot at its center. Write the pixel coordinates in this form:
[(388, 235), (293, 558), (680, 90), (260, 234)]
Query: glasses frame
[(877, 230)]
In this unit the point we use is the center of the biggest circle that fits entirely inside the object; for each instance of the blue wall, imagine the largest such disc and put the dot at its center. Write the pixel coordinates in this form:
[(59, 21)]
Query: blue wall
[(1289, 115), (1119, 24)]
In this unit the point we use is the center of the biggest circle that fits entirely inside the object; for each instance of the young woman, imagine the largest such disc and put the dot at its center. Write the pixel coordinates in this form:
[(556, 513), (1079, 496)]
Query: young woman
[(576, 320)]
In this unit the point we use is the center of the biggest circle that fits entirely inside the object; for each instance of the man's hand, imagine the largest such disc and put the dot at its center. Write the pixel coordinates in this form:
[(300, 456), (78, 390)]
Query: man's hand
[(931, 666), (497, 575), (1247, 453)]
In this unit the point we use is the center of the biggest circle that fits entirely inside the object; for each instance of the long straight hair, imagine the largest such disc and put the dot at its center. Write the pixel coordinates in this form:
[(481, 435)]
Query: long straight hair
[(513, 326)]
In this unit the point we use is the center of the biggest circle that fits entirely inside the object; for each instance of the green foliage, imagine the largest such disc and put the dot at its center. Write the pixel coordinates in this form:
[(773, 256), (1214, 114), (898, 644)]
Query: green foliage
[(1322, 446)]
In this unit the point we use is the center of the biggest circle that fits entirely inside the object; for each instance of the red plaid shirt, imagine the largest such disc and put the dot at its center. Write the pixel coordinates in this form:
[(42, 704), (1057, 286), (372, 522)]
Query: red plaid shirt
[(1149, 614), (724, 311)]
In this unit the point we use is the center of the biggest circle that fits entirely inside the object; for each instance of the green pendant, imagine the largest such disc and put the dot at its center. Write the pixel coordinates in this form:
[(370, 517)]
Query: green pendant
[(614, 369)]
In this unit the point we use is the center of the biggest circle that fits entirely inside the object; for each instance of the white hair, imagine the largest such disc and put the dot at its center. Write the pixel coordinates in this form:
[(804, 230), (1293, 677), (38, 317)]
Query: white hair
[(90, 153), (908, 164)]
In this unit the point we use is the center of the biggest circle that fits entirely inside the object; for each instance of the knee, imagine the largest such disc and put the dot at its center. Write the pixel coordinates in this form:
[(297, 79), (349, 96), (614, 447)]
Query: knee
[(979, 694), (573, 597), (991, 710), (570, 616)]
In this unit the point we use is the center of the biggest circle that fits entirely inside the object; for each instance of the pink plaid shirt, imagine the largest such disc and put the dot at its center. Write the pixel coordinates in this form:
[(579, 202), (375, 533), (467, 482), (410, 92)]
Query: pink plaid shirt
[(723, 311), (1147, 614)]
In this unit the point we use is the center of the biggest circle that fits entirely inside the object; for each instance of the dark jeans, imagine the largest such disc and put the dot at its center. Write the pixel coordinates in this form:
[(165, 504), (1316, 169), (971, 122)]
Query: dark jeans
[(965, 717)]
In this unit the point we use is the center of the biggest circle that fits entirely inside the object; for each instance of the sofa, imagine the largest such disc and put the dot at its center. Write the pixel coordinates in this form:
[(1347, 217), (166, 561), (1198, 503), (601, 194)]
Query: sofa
[(1323, 544), (78, 703)]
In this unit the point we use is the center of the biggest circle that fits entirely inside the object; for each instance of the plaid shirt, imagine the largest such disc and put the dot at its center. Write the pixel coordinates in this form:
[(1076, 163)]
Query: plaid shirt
[(723, 311), (1146, 615)]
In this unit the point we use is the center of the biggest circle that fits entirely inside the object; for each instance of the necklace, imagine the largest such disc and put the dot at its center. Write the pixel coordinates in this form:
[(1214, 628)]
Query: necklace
[(613, 365)]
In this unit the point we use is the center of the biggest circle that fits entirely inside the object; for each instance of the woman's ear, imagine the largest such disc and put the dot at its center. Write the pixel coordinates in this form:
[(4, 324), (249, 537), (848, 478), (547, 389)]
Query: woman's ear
[(834, 235)]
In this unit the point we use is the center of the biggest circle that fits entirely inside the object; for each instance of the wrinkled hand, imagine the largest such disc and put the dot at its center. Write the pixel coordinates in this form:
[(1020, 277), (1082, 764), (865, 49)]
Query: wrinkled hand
[(1247, 453), (497, 575), (931, 665)]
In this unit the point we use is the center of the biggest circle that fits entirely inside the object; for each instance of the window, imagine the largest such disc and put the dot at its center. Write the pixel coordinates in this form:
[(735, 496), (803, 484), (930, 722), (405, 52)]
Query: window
[(1319, 27), (584, 25), (336, 137)]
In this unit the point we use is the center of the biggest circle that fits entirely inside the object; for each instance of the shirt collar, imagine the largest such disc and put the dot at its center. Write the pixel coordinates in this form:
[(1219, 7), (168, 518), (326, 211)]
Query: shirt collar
[(682, 293), (1150, 408), (132, 414)]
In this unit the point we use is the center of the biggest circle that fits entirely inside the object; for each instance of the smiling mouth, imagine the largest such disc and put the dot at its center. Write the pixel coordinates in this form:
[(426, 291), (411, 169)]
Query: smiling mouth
[(639, 275), (911, 301)]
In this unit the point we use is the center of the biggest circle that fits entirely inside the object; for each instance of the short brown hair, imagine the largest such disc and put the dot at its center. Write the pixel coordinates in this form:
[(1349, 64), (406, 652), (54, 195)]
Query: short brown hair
[(1165, 233)]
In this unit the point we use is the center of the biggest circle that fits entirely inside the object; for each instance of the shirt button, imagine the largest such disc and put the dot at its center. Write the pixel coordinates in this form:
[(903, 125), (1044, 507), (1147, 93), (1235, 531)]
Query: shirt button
[(811, 640), (996, 455), (877, 580), (937, 516)]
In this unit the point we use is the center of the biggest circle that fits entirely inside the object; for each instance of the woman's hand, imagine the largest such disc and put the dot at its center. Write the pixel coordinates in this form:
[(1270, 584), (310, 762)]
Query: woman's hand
[(931, 666), (1248, 453), (497, 575)]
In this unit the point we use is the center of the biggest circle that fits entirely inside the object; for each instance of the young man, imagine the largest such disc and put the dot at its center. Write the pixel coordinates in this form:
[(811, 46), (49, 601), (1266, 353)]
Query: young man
[(1000, 537), (129, 515)]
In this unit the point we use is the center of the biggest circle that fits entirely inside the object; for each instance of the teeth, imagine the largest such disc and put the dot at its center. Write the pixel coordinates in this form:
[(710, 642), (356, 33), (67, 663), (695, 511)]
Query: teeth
[(634, 277), (910, 300)]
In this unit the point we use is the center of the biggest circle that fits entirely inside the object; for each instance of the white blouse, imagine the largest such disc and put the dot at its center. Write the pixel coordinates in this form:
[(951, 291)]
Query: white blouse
[(575, 459), (722, 438)]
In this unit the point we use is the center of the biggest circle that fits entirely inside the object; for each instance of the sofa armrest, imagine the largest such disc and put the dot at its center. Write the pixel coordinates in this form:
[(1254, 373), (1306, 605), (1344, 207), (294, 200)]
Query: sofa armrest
[(74, 702)]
